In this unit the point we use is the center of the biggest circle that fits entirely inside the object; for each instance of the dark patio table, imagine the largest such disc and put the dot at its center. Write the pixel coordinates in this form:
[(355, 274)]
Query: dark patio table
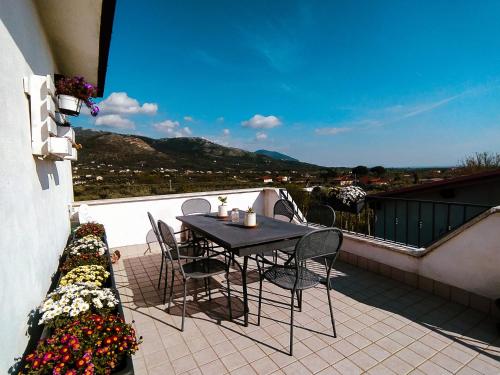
[(269, 234)]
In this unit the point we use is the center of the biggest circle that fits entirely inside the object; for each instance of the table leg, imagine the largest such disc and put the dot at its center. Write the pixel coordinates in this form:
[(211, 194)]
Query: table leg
[(245, 292)]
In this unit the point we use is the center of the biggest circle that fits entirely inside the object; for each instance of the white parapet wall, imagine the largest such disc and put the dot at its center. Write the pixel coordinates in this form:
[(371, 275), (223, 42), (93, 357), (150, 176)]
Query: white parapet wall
[(126, 219), (470, 258), (467, 258)]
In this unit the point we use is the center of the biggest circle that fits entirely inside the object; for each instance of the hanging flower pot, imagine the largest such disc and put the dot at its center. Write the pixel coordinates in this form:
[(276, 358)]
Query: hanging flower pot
[(72, 92), (69, 105)]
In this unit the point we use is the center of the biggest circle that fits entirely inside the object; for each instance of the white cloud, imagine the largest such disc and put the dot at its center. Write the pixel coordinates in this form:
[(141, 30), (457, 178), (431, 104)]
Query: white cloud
[(166, 126), (114, 121), (226, 132), (172, 128), (260, 136), (188, 119), (262, 122), (184, 132), (331, 131), (220, 120), (121, 103)]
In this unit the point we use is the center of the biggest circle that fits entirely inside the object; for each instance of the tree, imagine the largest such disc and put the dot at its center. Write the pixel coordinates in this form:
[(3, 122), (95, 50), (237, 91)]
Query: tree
[(481, 161), (379, 171), (360, 170), (326, 174)]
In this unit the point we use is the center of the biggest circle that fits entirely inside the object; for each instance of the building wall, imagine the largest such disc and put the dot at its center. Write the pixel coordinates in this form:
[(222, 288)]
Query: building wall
[(34, 194), (485, 192), (126, 219)]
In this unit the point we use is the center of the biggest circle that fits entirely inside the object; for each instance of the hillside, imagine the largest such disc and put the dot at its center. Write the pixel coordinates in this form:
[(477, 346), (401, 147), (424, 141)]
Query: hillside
[(275, 155), (178, 153)]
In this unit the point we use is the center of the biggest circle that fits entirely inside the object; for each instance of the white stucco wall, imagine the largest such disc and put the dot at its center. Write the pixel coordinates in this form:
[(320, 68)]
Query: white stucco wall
[(34, 194), (126, 220), (470, 260)]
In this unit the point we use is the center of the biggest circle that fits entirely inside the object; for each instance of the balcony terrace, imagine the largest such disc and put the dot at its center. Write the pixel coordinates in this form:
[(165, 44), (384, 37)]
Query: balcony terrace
[(392, 317)]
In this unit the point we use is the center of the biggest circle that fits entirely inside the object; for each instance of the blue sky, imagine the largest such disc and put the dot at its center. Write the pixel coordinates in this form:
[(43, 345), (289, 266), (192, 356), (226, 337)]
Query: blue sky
[(336, 83)]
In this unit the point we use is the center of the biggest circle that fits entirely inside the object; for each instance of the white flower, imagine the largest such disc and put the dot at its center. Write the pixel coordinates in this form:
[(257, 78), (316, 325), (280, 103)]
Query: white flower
[(83, 298)]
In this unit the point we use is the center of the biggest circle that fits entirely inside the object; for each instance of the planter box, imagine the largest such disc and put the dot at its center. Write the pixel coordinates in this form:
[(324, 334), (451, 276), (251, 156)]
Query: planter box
[(126, 367), (340, 206), (59, 147), (69, 105)]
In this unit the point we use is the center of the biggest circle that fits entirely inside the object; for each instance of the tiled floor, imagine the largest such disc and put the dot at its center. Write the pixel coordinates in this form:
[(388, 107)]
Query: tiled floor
[(383, 327)]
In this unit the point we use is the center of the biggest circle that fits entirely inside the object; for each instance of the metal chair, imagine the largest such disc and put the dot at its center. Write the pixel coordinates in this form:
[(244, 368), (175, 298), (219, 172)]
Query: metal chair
[(188, 250), (283, 207), (321, 215), (199, 268), (196, 206), (293, 276)]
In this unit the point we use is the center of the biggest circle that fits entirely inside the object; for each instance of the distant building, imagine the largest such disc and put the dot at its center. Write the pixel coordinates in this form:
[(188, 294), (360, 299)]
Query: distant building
[(99, 178), (267, 179), (343, 181), (373, 181), (282, 179)]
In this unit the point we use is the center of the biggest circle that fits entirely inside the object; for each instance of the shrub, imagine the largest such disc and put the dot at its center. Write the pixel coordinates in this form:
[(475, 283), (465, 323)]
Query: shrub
[(94, 344)]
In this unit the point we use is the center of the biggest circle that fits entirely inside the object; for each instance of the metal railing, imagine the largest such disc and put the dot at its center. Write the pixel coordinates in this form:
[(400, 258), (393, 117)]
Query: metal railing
[(411, 222), (298, 214)]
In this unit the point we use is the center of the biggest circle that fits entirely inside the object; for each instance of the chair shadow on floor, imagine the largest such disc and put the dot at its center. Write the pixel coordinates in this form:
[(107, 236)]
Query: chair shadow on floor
[(143, 282), (470, 328)]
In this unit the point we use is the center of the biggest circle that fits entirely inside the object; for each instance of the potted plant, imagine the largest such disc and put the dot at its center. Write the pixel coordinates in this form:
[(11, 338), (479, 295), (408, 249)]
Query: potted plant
[(71, 92), (222, 206), (347, 199), (250, 219)]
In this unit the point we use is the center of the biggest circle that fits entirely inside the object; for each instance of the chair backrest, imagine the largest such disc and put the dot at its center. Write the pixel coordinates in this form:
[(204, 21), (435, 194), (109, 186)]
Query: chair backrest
[(171, 246), (196, 206), (155, 231), (151, 237), (283, 207), (321, 214), (320, 243)]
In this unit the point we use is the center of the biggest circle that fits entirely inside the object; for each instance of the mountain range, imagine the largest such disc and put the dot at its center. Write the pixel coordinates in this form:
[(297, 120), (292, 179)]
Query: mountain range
[(179, 153), (275, 155)]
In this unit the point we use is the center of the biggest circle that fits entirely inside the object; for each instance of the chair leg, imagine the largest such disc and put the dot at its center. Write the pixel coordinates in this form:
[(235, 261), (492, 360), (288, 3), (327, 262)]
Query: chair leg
[(229, 296), (292, 308), (209, 291), (161, 270), (171, 291), (299, 300), (166, 283), (260, 298), (184, 305), (331, 310)]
